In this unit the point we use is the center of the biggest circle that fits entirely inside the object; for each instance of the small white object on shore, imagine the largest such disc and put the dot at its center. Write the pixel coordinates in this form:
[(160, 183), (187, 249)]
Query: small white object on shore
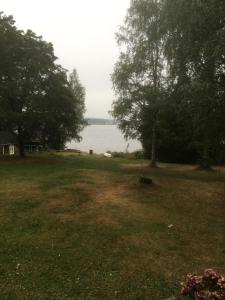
[(170, 226), (107, 154)]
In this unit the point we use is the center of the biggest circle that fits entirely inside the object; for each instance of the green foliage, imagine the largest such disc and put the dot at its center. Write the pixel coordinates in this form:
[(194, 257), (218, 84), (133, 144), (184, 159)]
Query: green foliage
[(138, 75), (78, 92), (170, 78), (139, 154), (36, 100), (195, 52), (63, 110)]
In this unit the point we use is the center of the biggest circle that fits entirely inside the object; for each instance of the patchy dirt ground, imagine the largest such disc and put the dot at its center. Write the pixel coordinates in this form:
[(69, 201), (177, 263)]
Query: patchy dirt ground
[(85, 228)]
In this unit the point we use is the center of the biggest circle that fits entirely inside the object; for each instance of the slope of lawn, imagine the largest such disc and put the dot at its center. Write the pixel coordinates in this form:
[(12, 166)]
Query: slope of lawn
[(80, 227)]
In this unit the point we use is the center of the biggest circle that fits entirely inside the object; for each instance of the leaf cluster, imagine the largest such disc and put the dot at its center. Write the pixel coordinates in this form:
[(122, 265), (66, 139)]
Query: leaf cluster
[(36, 98)]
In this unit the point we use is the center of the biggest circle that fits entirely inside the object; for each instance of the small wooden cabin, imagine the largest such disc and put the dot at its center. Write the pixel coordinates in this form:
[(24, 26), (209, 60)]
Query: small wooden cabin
[(8, 143)]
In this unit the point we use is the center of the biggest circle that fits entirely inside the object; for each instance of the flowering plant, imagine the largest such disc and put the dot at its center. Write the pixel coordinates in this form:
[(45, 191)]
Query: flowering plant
[(209, 286)]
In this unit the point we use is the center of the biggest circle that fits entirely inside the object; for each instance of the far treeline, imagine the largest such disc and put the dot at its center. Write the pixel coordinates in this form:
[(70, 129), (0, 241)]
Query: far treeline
[(38, 99), (99, 121), (170, 79)]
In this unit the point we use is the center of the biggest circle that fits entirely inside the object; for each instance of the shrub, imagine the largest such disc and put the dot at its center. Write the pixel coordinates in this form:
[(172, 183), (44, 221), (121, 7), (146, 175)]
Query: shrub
[(129, 155), (209, 286), (119, 154), (139, 154)]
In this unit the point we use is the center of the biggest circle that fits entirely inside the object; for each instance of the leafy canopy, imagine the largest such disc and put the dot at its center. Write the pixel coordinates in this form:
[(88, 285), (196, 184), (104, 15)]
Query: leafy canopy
[(36, 99)]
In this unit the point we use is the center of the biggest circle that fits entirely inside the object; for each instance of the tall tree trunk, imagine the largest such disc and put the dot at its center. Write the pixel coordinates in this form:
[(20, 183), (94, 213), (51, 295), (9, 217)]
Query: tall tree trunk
[(153, 163), (21, 145), (205, 160)]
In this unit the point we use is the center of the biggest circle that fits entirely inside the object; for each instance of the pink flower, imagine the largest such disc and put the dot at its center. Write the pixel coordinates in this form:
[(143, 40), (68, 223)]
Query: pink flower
[(185, 291), (203, 295), (211, 274), (209, 286), (221, 282), (218, 295), (193, 280)]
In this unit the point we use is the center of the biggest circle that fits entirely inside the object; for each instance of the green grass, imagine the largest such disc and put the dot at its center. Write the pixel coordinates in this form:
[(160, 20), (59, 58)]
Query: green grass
[(82, 227)]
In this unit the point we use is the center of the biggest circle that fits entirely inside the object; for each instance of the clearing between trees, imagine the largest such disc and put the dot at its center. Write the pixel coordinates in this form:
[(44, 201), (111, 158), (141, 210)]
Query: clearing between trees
[(81, 227)]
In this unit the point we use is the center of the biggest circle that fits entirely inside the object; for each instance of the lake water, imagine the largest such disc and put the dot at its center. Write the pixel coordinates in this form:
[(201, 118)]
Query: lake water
[(102, 138)]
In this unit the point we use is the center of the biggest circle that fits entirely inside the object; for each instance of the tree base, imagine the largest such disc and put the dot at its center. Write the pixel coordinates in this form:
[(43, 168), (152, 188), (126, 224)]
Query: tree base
[(22, 155), (145, 180), (205, 168), (153, 164)]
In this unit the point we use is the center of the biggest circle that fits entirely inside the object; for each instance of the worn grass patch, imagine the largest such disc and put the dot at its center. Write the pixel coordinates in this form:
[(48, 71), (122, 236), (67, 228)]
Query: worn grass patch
[(80, 227)]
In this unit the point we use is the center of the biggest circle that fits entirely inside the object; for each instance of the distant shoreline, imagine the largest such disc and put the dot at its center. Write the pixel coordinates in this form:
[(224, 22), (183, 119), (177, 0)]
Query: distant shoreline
[(98, 121)]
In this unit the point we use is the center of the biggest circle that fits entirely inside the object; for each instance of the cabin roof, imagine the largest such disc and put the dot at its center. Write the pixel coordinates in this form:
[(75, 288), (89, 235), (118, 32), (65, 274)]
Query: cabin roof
[(7, 138)]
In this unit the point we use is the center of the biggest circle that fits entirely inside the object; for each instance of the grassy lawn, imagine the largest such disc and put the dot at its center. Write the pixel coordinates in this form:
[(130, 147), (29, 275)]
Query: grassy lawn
[(80, 227)]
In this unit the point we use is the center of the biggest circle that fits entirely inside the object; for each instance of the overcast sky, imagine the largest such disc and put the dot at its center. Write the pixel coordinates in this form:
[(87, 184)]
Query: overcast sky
[(83, 35)]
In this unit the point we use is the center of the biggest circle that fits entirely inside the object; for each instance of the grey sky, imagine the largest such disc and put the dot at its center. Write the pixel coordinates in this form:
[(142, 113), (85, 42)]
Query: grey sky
[(83, 35)]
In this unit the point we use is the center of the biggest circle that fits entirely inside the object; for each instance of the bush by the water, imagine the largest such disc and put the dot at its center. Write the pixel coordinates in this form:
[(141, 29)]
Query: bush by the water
[(139, 154)]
